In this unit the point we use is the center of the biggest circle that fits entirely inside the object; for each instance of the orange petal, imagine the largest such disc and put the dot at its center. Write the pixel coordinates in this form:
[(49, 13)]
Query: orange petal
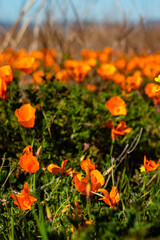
[(52, 168)]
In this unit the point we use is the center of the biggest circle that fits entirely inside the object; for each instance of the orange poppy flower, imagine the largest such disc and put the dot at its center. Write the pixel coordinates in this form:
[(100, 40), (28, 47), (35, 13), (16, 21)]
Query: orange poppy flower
[(116, 106), (106, 71), (91, 87), (102, 57), (151, 90), (133, 63), (87, 166), (26, 115), (24, 200), (120, 63), (91, 62), (63, 75), (89, 184), (132, 82), (156, 100), (6, 77), (48, 59), (70, 64), (150, 165), (88, 54), (38, 77), (77, 69), (111, 198), (24, 64), (53, 168), (92, 182), (118, 78), (3, 88), (28, 162), (151, 70), (36, 54), (121, 129)]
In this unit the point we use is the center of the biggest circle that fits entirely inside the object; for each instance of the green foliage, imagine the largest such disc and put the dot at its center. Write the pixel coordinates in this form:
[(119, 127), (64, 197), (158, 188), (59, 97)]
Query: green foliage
[(70, 124)]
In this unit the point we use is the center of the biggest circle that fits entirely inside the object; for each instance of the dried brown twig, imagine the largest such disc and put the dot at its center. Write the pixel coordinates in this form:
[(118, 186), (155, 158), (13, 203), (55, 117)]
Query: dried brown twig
[(126, 151), (9, 36)]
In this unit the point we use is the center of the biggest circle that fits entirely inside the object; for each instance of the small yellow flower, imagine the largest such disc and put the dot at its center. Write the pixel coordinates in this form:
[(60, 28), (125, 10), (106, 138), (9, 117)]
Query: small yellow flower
[(157, 79), (142, 169)]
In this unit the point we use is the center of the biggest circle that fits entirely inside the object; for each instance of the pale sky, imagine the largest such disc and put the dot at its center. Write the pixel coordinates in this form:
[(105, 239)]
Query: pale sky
[(97, 10)]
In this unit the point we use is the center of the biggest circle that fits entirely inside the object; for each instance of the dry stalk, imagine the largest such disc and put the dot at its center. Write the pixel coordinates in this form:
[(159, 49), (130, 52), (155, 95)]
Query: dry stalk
[(127, 150), (9, 36)]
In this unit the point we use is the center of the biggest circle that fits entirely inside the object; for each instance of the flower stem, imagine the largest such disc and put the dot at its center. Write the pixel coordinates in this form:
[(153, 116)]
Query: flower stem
[(112, 159)]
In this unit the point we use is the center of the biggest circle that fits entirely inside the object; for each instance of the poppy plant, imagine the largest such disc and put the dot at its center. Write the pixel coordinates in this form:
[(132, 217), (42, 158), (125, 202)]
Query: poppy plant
[(150, 165), (91, 87), (90, 184), (6, 77), (116, 106), (77, 212), (80, 71), (28, 162), (106, 71), (151, 90), (121, 129), (53, 168), (87, 166), (26, 115), (38, 77), (132, 82), (24, 200), (111, 198)]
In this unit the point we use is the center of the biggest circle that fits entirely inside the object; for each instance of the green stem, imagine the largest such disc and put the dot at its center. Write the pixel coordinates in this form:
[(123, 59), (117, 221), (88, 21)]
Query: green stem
[(144, 185), (33, 182), (111, 151), (3, 160), (89, 207), (23, 136), (49, 130), (12, 224)]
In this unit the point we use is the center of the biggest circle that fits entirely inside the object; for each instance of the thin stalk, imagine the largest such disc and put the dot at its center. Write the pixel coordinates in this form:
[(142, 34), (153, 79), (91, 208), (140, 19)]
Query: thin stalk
[(23, 136), (3, 160), (89, 207), (112, 159), (12, 225), (33, 182)]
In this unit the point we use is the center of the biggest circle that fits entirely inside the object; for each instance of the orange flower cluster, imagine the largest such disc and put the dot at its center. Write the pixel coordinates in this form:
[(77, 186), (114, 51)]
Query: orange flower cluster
[(127, 71), (28, 162)]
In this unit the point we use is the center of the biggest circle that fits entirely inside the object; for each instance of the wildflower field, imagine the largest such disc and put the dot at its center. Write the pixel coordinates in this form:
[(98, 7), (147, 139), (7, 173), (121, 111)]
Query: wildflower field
[(79, 145)]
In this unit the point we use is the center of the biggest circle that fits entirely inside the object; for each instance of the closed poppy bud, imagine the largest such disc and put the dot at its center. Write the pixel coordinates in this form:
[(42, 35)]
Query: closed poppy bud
[(26, 115)]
